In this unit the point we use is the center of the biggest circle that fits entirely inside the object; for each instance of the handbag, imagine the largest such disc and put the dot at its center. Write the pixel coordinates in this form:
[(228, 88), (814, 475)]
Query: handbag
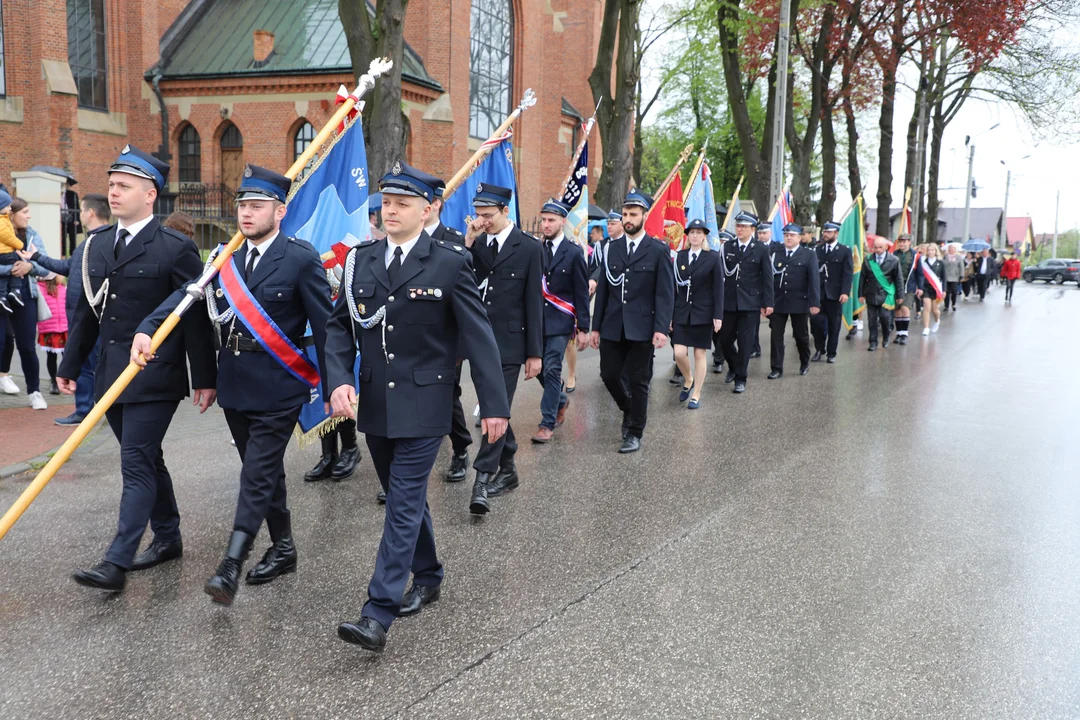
[(43, 311)]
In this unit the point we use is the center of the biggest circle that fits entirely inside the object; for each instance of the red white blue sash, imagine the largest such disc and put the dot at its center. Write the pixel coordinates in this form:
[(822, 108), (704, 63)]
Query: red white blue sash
[(931, 276), (266, 331), (563, 306)]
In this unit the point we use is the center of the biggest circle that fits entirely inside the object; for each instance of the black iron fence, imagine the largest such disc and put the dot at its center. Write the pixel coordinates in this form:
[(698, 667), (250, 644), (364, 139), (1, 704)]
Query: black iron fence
[(212, 209)]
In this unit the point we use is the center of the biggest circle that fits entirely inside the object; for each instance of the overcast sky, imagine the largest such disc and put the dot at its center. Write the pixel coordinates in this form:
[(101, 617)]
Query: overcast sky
[(1039, 169)]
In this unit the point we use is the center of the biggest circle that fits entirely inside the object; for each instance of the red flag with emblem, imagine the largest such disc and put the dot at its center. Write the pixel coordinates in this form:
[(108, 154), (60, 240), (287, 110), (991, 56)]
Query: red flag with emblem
[(668, 206)]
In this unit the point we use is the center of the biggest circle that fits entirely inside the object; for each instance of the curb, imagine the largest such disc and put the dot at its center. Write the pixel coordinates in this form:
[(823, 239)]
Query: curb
[(26, 466)]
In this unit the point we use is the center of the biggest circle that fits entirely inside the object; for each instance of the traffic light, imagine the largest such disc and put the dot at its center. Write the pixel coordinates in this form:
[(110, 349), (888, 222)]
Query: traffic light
[(974, 188)]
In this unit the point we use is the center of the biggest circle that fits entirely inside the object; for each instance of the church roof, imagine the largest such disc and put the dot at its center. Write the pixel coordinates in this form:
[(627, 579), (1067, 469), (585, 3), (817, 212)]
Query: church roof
[(309, 39)]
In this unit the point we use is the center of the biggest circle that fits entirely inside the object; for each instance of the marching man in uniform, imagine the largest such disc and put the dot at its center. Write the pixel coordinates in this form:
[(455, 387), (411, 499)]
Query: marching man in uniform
[(748, 295), (836, 267), (262, 302), (407, 304), (566, 313), (796, 297), (128, 271)]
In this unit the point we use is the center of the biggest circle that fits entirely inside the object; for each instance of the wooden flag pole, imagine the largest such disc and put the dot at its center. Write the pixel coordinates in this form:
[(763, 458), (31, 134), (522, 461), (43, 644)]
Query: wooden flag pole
[(850, 208), (695, 172), (731, 205), (195, 291), (580, 149), (496, 137)]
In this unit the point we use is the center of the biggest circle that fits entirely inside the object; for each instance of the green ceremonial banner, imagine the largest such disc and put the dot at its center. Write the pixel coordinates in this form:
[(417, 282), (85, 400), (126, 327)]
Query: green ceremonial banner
[(853, 234)]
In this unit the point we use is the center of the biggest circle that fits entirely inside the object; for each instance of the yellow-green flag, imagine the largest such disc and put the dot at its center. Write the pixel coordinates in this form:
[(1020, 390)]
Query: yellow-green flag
[(853, 234)]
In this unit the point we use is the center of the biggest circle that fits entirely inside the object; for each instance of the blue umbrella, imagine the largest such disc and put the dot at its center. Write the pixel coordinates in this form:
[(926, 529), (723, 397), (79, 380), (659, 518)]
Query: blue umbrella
[(976, 245)]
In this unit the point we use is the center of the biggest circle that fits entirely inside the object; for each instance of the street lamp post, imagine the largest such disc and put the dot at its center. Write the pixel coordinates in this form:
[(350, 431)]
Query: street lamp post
[(967, 191)]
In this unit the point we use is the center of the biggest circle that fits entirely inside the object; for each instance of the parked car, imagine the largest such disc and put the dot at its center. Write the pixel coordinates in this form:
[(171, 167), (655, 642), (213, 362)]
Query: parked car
[(1057, 270)]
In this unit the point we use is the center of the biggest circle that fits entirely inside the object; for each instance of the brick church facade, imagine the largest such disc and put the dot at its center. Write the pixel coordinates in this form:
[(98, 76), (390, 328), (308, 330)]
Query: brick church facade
[(253, 80)]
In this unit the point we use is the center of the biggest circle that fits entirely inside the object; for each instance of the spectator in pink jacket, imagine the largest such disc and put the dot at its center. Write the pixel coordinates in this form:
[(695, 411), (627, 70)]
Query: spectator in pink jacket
[(52, 333)]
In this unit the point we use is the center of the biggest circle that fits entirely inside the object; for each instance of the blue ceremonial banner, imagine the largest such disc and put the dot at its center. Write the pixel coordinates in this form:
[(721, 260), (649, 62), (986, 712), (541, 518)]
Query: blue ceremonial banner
[(577, 198), (702, 206), (496, 169), (783, 216), (330, 207)]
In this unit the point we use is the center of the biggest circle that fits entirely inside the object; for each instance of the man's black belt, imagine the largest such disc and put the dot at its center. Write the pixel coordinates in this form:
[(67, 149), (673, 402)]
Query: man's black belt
[(238, 343)]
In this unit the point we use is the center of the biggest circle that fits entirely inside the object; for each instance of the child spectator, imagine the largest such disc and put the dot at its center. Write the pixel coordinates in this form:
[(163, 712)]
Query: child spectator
[(52, 333), (9, 243)]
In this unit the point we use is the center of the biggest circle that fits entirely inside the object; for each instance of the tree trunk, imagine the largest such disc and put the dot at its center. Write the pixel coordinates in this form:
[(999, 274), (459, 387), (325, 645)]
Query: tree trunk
[(827, 203), (854, 177), (934, 168), (615, 116), (885, 153)]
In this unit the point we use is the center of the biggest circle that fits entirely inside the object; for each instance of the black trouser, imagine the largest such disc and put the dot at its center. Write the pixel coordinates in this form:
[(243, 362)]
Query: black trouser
[(801, 331), (966, 286), (878, 314), (1009, 282), (493, 456), (757, 338), (147, 494), (460, 436), (22, 323), (826, 325), (741, 327), (634, 360), (261, 439), (982, 281), (951, 290)]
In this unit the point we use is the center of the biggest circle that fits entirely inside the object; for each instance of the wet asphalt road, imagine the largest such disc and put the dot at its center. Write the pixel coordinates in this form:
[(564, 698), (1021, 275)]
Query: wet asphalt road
[(893, 536)]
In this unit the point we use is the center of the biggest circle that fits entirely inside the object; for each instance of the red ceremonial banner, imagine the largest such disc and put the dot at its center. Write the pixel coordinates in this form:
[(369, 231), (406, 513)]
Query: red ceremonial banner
[(669, 206)]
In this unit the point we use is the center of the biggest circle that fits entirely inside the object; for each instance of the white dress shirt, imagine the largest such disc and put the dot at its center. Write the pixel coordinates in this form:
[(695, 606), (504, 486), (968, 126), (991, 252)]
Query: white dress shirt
[(133, 229), (405, 248), (636, 240), (263, 248), (500, 239), (430, 229), (555, 242)]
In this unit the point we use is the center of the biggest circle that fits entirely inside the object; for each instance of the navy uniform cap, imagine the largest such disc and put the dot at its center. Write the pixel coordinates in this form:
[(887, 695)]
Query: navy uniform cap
[(697, 225), (260, 184), (614, 216), (792, 229), (134, 161), (745, 218), (830, 225), (488, 195), (555, 207), (637, 198), (404, 179), (724, 236), (764, 225)]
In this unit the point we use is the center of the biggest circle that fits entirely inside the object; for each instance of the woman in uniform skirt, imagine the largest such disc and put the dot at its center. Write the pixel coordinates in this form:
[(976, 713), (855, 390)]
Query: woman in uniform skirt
[(930, 284), (699, 308)]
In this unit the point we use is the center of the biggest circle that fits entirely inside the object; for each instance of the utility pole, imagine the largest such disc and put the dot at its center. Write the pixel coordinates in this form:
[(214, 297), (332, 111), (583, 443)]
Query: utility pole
[(967, 197), (1057, 209), (1005, 213), (920, 155), (776, 171)]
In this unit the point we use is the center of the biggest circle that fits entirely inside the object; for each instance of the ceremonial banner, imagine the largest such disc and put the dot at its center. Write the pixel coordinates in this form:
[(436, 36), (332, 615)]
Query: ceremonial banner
[(496, 169), (576, 197), (669, 206), (782, 215), (852, 234), (701, 205), (329, 209)]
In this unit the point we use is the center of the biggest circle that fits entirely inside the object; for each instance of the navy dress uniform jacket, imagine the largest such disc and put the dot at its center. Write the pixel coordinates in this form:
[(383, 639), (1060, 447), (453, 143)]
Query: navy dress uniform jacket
[(156, 262), (645, 303), (706, 289), (836, 269), (751, 288), (796, 287), (290, 284), (568, 277), (514, 299), (408, 392)]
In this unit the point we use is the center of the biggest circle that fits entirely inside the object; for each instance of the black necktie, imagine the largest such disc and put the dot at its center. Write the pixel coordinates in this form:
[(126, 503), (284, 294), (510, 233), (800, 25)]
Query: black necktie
[(633, 245), (790, 253), (693, 259), (550, 251), (121, 243), (252, 256), (395, 265)]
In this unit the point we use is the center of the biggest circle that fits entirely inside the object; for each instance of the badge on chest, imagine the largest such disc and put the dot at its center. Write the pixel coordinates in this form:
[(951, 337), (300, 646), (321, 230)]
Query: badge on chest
[(422, 293)]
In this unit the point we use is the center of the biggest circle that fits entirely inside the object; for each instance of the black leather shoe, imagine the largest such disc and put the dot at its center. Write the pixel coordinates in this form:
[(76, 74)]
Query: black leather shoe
[(221, 587), (103, 576), (625, 425), (417, 597), (817, 356), (478, 422), (279, 559), (740, 386), (54, 389), (478, 503), (506, 479), (325, 466), (902, 340), (717, 368), (346, 464), (755, 354), (677, 378), (884, 343), (730, 377), (776, 374), (630, 444), (872, 348), (380, 497), (157, 553), (365, 632), (852, 333), (804, 369), (831, 360), (459, 467)]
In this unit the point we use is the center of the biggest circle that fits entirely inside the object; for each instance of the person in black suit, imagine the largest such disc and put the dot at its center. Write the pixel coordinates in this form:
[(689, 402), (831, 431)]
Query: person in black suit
[(796, 293), (748, 296), (881, 288), (264, 379), (132, 268), (69, 216), (774, 245), (699, 308), (632, 316), (408, 303), (985, 270), (511, 264), (836, 268), (566, 313)]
